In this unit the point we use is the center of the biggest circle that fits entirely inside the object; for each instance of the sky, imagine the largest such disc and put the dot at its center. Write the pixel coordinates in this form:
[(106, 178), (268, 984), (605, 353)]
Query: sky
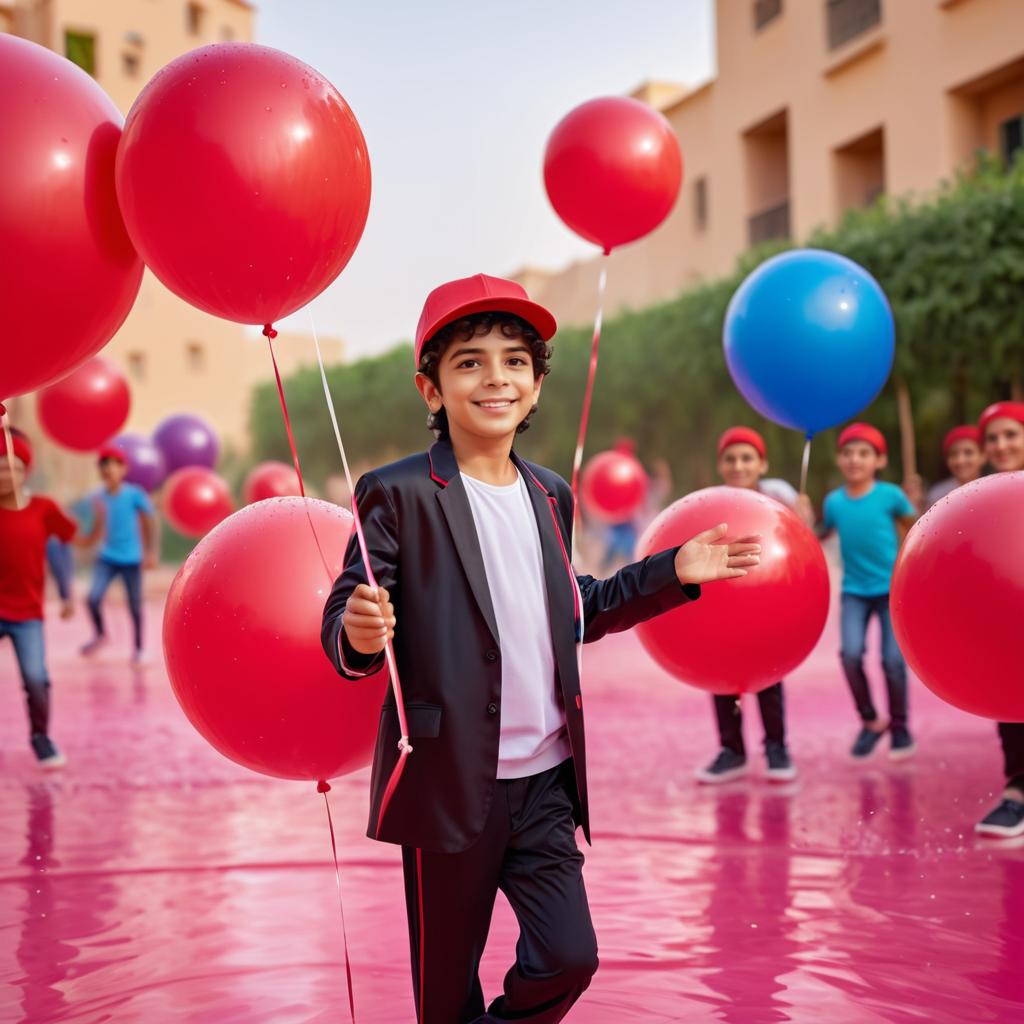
[(456, 99)]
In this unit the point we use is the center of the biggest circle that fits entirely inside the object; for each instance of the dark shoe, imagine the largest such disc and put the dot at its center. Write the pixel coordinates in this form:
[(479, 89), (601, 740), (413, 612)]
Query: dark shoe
[(780, 765), (864, 745), (902, 745), (727, 765), (1005, 821), (47, 754)]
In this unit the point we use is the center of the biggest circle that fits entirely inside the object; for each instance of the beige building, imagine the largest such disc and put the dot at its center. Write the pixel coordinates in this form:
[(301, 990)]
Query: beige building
[(177, 358), (817, 106)]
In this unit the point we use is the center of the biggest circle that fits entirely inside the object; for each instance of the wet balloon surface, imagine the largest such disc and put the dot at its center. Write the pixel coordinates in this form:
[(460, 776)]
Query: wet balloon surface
[(154, 881)]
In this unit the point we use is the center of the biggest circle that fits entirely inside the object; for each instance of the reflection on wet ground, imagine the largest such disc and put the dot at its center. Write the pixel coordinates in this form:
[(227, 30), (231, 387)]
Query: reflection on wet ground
[(154, 881)]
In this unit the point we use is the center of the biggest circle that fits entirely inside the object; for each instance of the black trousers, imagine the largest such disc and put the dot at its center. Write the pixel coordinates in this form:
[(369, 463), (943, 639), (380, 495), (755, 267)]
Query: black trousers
[(772, 705), (528, 851), (1012, 736)]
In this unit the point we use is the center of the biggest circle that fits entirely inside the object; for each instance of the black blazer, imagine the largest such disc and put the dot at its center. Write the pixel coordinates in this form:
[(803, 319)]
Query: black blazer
[(424, 549)]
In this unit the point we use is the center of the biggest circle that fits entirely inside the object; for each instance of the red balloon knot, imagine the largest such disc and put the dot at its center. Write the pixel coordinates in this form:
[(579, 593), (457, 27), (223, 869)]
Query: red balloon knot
[(323, 787), (269, 332)]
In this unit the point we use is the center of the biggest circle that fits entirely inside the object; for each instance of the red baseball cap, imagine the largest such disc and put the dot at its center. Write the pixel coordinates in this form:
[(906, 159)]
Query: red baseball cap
[(743, 435), (20, 445), (966, 432), (479, 294), (109, 451), (1001, 411), (866, 433)]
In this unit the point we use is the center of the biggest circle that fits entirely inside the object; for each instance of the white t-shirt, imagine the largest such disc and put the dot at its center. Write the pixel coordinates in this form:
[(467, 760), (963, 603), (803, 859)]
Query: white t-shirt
[(533, 733), (779, 490)]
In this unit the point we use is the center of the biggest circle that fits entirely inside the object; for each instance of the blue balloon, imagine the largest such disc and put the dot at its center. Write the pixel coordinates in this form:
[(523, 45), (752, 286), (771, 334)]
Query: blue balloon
[(809, 339)]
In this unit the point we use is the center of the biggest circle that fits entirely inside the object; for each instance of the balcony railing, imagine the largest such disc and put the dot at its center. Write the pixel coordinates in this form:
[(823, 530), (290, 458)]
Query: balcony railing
[(765, 11), (769, 224), (847, 19)]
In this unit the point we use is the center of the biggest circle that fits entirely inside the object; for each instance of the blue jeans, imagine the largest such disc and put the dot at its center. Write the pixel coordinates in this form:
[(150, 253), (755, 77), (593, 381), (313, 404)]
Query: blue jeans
[(30, 651), (104, 573), (856, 613)]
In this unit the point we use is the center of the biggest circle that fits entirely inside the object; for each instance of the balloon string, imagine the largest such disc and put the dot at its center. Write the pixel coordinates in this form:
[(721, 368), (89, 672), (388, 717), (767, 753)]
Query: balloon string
[(805, 465), (270, 334), (588, 393), (323, 787), (9, 445), (404, 748)]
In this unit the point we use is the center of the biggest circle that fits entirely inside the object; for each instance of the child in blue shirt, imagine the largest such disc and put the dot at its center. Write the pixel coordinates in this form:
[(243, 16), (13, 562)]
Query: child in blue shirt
[(871, 518)]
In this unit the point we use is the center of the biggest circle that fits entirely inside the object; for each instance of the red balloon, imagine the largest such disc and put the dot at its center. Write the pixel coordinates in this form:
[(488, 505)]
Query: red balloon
[(86, 408), (271, 480), (244, 180), (613, 169), (613, 486), (70, 274), (195, 500), (242, 643), (743, 634), (958, 595)]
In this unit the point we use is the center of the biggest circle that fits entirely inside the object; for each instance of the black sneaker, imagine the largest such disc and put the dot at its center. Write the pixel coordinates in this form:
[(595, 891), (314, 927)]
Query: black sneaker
[(1006, 820), (867, 740), (780, 765), (902, 745), (47, 754), (727, 765)]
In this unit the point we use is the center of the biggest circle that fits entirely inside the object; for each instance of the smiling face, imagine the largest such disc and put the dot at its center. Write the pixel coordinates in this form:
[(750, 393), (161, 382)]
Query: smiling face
[(741, 465), (859, 462), (1004, 444), (8, 483), (965, 461), (112, 472)]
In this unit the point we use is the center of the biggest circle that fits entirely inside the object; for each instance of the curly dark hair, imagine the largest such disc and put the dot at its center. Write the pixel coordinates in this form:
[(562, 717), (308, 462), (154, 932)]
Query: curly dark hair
[(476, 325)]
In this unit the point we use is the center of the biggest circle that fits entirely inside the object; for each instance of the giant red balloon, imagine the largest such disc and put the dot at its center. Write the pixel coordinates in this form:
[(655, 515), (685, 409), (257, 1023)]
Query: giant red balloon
[(195, 500), (613, 169), (70, 274), (86, 408), (957, 597), (613, 486), (270, 480), (743, 634), (244, 180), (242, 643)]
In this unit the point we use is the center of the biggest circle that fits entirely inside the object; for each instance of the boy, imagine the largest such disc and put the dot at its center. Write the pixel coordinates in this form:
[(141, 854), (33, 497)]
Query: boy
[(961, 449), (129, 545), (743, 462), (24, 529), (1002, 429), (470, 546), (872, 518)]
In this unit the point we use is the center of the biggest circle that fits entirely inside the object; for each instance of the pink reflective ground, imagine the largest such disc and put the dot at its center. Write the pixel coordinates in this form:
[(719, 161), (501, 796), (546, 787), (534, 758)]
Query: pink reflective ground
[(154, 881)]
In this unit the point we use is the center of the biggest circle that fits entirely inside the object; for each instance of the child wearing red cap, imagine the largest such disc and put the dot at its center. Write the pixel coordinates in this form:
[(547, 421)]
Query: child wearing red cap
[(1002, 429), (469, 544), (961, 449), (872, 518), (743, 462), (129, 546), (24, 529)]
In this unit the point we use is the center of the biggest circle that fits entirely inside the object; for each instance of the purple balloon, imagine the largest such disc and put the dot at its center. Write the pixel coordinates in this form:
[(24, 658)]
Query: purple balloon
[(146, 465), (186, 440)]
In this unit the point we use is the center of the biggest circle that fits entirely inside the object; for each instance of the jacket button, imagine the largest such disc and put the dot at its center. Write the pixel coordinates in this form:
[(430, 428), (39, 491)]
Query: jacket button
[(491, 656), (492, 708)]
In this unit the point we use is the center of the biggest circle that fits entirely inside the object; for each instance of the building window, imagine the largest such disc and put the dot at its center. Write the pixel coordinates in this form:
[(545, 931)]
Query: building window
[(859, 171), (1011, 138), (80, 49), (765, 11), (769, 224), (194, 18), (847, 19), (130, 63), (227, 33), (137, 365), (195, 356), (700, 203)]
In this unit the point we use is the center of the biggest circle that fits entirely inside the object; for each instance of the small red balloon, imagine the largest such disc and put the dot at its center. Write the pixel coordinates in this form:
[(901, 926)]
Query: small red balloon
[(958, 596), (242, 644), (613, 170), (271, 480), (195, 500), (244, 180), (747, 633), (613, 486), (87, 408), (70, 274)]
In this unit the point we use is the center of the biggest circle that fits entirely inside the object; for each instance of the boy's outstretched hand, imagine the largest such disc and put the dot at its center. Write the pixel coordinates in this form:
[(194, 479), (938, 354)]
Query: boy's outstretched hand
[(703, 560), (369, 619)]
